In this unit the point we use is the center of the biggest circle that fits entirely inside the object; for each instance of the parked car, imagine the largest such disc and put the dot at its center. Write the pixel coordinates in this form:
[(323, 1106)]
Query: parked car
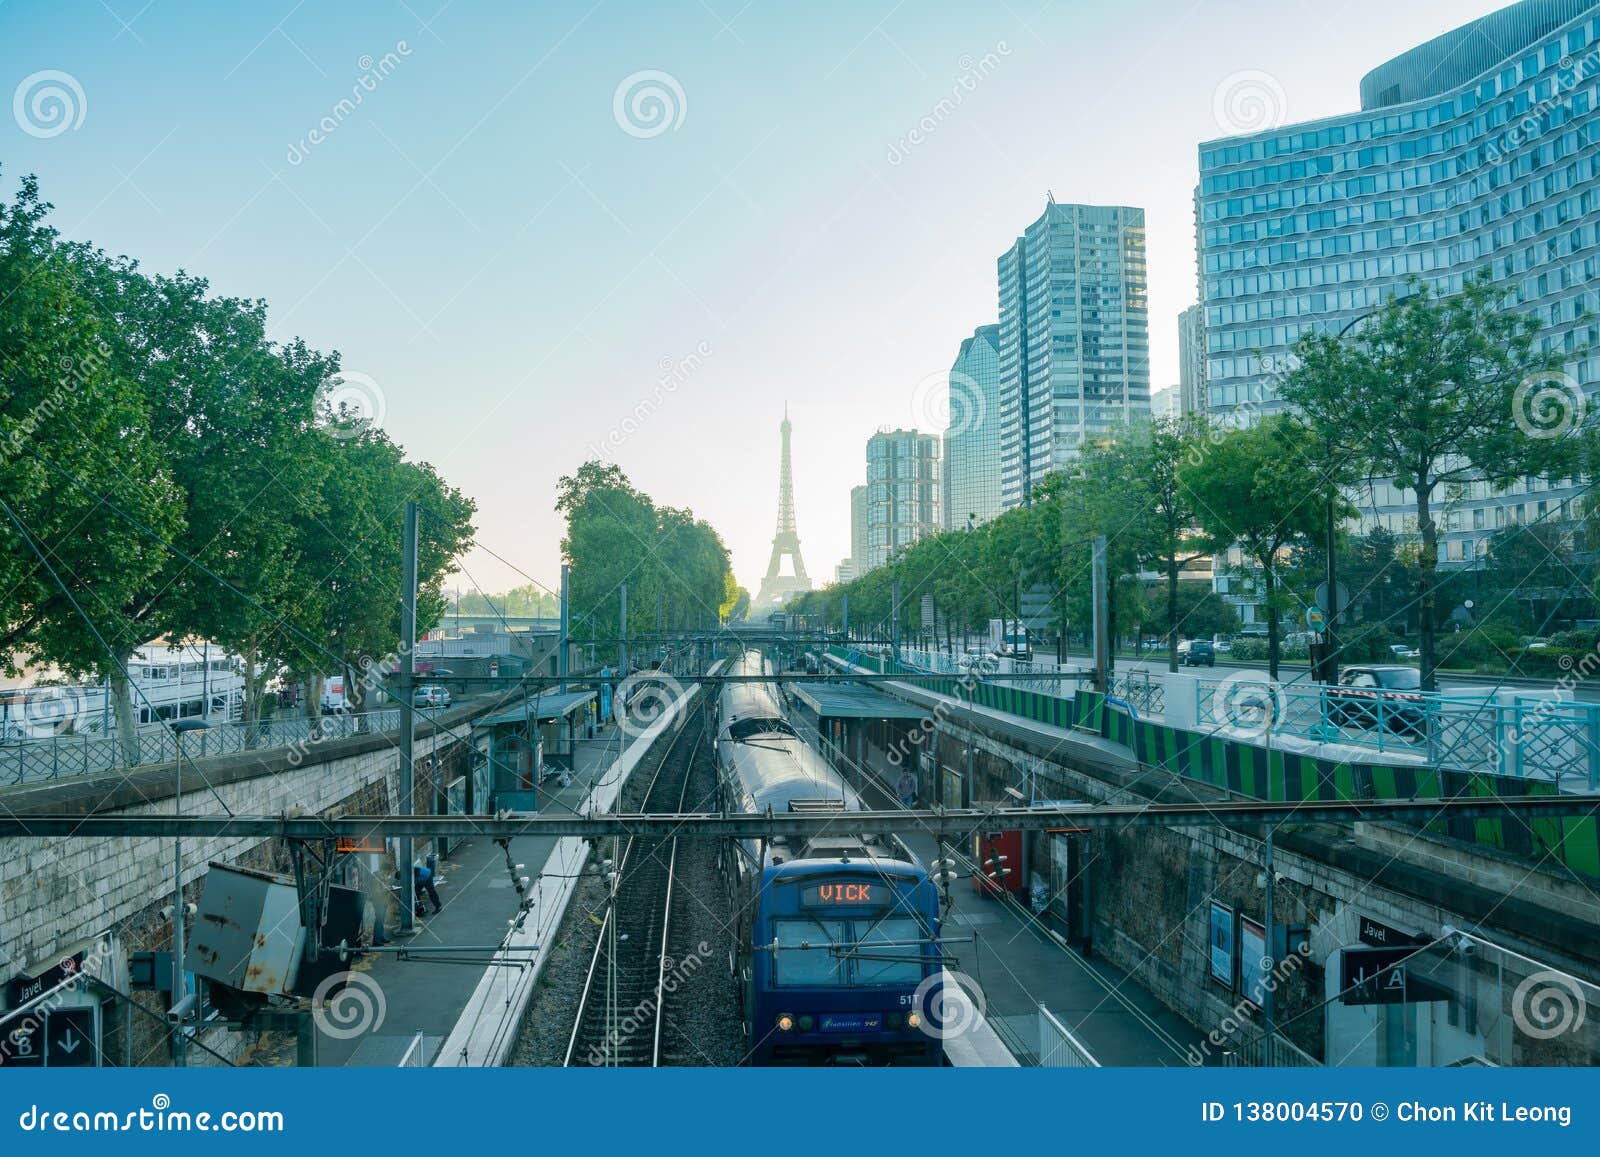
[(1388, 695), (430, 695), (1536, 643), (1404, 651), (1197, 653), (1222, 644)]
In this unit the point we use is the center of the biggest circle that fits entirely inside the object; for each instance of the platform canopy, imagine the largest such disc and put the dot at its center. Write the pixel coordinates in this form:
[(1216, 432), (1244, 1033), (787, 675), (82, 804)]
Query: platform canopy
[(541, 707), (854, 701)]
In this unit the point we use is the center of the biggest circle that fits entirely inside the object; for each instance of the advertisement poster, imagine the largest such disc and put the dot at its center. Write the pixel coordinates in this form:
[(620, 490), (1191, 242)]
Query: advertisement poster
[(1222, 944), (1252, 961)]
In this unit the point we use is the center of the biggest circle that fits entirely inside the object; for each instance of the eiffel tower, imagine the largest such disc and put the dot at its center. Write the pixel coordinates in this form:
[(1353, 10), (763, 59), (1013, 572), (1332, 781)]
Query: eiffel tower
[(777, 587)]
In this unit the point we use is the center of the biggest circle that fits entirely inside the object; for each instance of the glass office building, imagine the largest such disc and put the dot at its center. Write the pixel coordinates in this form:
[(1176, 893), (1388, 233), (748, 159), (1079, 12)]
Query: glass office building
[(1479, 150), (1192, 362), (903, 493), (972, 443), (1074, 341)]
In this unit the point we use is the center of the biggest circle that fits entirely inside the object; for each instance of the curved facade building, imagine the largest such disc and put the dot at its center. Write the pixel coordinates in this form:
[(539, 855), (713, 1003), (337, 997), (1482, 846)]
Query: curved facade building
[(1477, 150), (972, 443)]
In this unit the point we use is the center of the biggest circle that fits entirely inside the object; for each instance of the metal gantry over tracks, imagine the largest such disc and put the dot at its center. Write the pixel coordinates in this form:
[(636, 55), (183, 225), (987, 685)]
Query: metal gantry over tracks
[(949, 823)]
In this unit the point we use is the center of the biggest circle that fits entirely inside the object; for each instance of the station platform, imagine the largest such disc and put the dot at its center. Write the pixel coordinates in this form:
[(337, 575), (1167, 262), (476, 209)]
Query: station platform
[(428, 995), (1019, 964)]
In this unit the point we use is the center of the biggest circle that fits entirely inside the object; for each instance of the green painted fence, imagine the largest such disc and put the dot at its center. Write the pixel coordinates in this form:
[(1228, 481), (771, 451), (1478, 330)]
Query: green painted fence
[(1286, 776)]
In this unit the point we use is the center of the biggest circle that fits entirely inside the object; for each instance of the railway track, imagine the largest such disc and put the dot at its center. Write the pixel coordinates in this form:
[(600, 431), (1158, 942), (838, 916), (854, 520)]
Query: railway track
[(620, 1019)]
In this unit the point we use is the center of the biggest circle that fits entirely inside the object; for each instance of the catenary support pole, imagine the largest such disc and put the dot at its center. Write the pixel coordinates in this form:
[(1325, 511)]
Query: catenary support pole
[(180, 986), (408, 715), (1098, 584), (563, 646), (1268, 962), (1330, 636), (894, 620)]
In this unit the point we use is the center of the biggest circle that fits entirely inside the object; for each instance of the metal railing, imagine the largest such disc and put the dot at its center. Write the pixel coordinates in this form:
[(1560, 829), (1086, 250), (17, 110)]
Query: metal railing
[(1058, 1048), (416, 1054), (1263, 1052), (1547, 739), (1049, 672), (66, 756), (1148, 695)]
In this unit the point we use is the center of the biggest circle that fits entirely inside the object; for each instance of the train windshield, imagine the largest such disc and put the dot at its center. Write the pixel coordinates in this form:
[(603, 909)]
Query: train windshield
[(848, 953), (890, 952), (805, 956)]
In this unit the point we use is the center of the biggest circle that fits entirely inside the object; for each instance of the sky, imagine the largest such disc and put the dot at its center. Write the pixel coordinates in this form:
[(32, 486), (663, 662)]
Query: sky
[(539, 234)]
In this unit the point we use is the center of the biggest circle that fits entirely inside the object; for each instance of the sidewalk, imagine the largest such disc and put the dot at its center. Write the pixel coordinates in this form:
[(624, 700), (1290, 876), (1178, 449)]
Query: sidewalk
[(428, 994)]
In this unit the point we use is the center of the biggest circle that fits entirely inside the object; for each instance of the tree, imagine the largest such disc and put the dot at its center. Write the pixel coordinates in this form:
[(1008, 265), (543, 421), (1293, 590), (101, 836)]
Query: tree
[(526, 601), (235, 416), (178, 471), (1077, 508), (73, 429), (736, 605), (617, 535), (1254, 490), (1155, 517), (1200, 612), (352, 552), (1533, 569), (1437, 391)]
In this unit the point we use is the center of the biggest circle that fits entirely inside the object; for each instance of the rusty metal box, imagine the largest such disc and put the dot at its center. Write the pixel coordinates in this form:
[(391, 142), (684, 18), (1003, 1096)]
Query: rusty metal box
[(247, 934)]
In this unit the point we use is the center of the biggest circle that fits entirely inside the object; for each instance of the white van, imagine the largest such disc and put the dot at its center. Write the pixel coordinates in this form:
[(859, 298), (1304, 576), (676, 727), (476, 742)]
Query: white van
[(334, 700)]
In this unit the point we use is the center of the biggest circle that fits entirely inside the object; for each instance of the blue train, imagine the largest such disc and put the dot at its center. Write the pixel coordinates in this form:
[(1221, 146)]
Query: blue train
[(834, 936)]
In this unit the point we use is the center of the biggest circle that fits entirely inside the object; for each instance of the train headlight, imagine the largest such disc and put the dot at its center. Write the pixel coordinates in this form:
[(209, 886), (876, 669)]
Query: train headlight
[(914, 1020), (785, 1022)]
